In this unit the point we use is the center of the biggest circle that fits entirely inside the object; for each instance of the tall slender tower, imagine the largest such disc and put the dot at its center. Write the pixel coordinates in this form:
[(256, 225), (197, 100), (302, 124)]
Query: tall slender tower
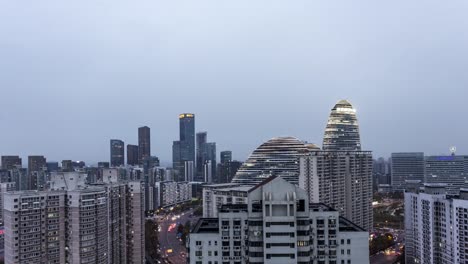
[(187, 136), (117, 153), (342, 131), (144, 143)]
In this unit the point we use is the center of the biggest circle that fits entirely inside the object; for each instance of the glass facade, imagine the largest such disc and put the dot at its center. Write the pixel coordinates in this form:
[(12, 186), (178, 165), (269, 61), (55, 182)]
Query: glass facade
[(342, 131), (276, 157)]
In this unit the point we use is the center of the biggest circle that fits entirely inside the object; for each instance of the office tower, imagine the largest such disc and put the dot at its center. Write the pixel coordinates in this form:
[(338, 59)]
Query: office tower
[(20, 177), (211, 158), (144, 143), (11, 162), (67, 165), (132, 155), (189, 171), (223, 168), (184, 149), (406, 166), (276, 157), (117, 153), (52, 166), (35, 164), (35, 227), (342, 180), (435, 226), (187, 135), (225, 156), (450, 170), (201, 141), (342, 130), (207, 172), (277, 225)]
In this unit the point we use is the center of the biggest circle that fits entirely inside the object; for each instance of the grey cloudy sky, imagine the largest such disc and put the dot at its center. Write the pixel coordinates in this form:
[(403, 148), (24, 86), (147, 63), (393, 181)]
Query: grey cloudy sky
[(74, 74)]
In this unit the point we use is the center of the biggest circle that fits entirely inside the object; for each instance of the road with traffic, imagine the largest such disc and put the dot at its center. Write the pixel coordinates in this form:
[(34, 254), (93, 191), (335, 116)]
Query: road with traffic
[(172, 247)]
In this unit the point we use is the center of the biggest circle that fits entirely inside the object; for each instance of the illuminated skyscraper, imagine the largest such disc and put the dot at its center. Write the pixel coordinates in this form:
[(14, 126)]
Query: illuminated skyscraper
[(187, 136), (342, 131), (184, 149)]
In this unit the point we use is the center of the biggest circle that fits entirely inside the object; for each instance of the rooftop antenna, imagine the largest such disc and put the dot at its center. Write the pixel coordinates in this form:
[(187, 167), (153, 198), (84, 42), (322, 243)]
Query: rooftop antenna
[(453, 149)]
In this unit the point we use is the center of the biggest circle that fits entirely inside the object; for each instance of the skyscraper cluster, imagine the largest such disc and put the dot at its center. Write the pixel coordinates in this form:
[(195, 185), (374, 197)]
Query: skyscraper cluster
[(339, 175)]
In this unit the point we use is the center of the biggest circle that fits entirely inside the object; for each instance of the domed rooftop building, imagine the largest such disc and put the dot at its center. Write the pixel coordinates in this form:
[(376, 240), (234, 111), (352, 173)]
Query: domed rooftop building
[(276, 157), (342, 131)]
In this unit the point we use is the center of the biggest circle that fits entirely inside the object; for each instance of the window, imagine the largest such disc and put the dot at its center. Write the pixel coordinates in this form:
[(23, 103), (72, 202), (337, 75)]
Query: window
[(198, 253), (349, 251), (348, 241), (198, 243)]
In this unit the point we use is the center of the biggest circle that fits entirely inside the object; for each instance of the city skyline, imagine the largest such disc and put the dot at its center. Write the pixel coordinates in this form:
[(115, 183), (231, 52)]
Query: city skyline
[(273, 68)]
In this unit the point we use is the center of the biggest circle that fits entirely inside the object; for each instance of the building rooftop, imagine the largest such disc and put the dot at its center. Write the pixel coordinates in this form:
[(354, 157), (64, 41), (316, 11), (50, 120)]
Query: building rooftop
[(206, 225), (321, 207), (348, 226)]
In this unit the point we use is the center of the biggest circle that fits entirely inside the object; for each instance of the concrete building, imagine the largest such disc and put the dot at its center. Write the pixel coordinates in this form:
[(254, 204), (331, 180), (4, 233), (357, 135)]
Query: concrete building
[(35, 227), (169, 193), (435, 226), (11, 162), (277, 225), (406, 166), (214, 196), (4, 188), (74, 222), (342, 180)]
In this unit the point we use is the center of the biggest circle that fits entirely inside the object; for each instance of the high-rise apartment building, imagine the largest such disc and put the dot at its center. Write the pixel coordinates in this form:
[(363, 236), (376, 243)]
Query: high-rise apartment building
[(278, 225), (132, 155), (11, 162), (342, 130), (169, 193), (117, 153), (144, 143), (342, 180), (74, 222), (436, 226), (35, 227), (406, 166)]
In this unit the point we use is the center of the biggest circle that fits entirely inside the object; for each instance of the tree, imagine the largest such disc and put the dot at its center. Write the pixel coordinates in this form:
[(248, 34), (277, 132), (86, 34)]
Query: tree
[(151, 239)]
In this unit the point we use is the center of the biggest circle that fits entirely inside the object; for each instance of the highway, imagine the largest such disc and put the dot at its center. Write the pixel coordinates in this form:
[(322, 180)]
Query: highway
[(171, 247)]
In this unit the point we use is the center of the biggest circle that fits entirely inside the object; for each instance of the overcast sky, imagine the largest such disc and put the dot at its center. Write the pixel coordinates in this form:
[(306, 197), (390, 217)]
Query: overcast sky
[(74, 74)]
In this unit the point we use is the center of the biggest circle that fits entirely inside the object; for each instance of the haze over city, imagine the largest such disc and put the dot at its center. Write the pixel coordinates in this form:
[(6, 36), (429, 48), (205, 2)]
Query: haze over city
[(74, 75)]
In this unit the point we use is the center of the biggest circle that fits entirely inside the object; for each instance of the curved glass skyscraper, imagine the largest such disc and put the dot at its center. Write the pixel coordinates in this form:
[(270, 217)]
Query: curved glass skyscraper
[(276, 157), (342, 131)]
